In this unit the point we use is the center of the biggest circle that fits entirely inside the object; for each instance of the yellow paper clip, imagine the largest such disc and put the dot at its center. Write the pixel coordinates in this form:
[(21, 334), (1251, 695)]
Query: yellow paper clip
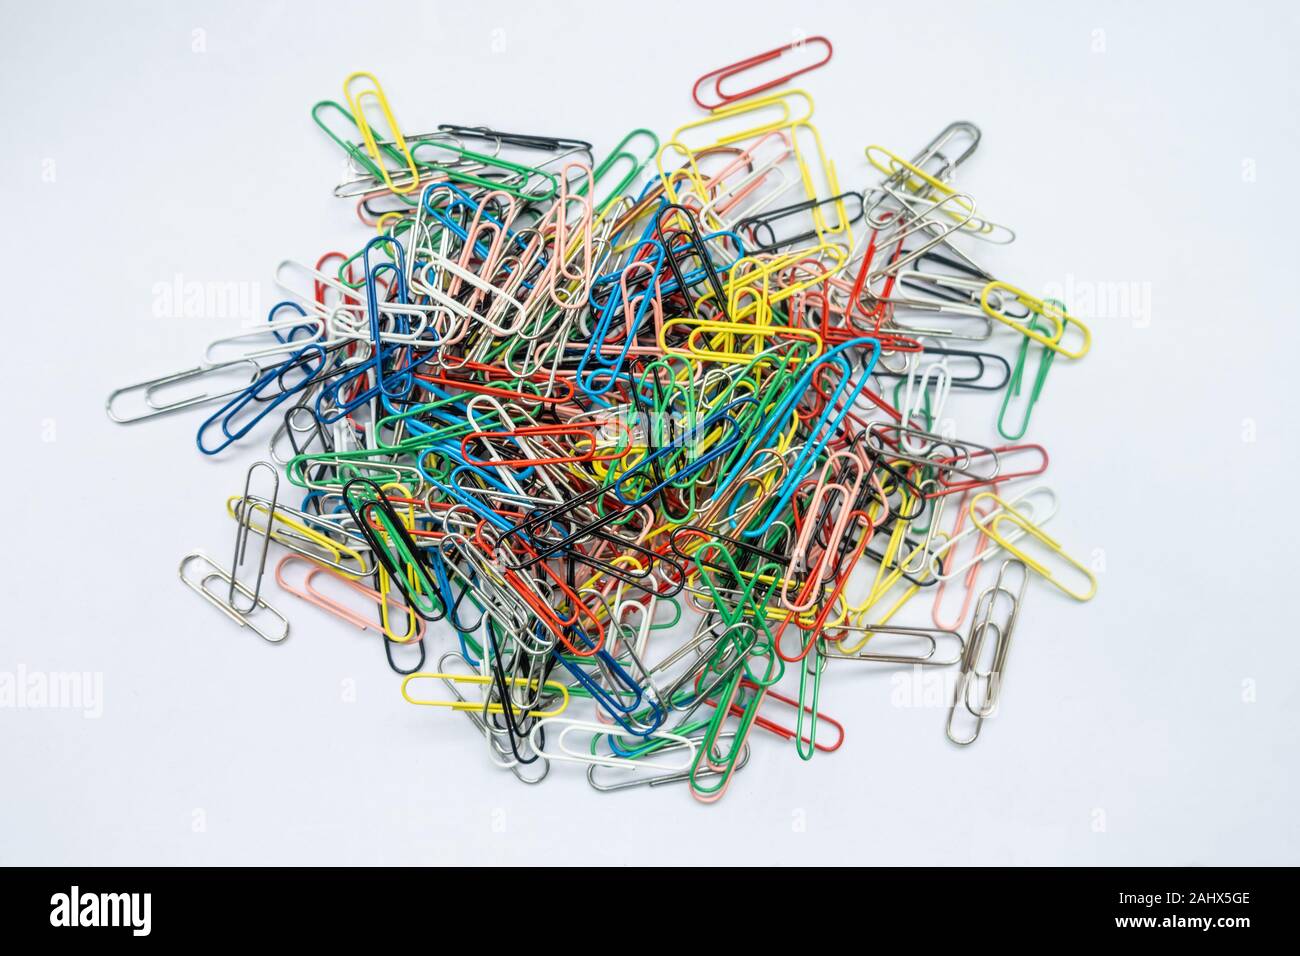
[(924, 186), (295, 534), (1056, 315), (478, 705), (357, 105), (888, 576), (989, 526), (780, 102), (827, 232)]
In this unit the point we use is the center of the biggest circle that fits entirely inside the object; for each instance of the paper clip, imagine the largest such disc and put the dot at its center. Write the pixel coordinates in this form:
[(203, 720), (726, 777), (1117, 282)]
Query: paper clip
[(180, 404), (635, 779), (243, 526), (556, 749), (1060, 321), (297, 531), (555, 687), (716, 77), (928, 637), (1016, 379), (357, 102), (972, 677), (216, 574), (313, 595), (1006, 514), (906, 180), (791, 733)]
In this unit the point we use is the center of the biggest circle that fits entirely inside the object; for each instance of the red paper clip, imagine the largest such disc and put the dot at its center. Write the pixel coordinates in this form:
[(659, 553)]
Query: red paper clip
[(728, 72), (772, 727)]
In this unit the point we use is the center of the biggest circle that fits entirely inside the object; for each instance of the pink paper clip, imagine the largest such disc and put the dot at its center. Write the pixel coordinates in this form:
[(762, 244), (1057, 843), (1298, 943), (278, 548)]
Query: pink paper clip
[(973, 573), (312, 595)]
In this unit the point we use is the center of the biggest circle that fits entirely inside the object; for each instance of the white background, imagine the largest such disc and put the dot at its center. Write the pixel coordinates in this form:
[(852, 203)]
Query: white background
[(1129, 731)]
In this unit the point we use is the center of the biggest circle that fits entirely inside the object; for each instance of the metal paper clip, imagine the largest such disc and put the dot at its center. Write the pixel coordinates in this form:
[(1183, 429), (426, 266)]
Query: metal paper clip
[(148, 388), (929, 637), (216, 574), (971, 676)]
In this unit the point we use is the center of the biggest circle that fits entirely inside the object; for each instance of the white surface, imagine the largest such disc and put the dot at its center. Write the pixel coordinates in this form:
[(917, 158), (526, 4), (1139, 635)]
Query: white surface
[(1118, 166)]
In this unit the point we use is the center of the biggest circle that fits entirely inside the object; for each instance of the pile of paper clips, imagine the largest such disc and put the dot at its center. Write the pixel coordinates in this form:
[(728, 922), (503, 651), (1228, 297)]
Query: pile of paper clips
[(554, 403)]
